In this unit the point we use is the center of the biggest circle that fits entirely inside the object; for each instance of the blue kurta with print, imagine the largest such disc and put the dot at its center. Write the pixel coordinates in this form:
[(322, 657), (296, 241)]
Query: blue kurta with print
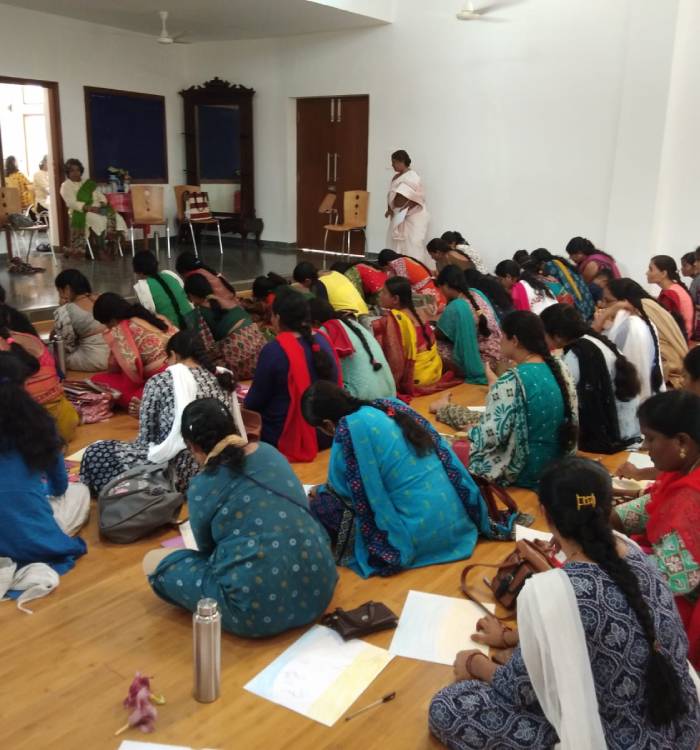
[(262, 555)]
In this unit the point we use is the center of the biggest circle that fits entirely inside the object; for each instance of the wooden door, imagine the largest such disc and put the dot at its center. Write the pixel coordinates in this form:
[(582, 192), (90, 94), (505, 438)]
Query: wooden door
[(332, 135)]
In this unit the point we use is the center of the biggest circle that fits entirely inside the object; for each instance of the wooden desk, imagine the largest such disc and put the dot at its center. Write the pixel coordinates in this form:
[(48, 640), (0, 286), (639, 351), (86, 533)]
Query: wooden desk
[(65, 669)]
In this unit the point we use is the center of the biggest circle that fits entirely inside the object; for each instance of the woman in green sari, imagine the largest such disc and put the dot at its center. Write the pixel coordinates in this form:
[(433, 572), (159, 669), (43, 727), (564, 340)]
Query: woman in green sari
[(88, 210), (230, 337), (458, 341)]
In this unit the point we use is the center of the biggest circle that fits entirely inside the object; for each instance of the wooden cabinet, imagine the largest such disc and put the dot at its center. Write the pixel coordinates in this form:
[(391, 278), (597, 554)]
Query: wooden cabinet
[(332, 135)]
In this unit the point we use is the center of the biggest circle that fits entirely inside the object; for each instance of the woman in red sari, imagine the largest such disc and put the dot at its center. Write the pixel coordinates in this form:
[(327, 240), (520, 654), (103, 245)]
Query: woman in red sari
[(428, 299), (188, 264), (674, 296), (667, 520), (136, 340)]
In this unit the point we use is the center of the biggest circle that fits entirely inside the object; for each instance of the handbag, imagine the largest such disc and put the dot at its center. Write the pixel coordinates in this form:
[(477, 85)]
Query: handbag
[(197, 208), (527, 559), (138, 502), (370, 617), (502, 520), (92, 403)]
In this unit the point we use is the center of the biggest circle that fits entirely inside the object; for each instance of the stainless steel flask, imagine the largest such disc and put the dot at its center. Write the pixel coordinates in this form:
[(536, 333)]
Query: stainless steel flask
[(206, 634)]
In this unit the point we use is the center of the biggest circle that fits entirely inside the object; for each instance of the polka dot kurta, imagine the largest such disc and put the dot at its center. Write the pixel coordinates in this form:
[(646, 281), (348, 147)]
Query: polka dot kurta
[(262, 555)]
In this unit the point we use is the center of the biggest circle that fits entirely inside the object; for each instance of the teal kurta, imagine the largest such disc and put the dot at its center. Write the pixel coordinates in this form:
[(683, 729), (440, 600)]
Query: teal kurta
[(262, 556), (457, 323)]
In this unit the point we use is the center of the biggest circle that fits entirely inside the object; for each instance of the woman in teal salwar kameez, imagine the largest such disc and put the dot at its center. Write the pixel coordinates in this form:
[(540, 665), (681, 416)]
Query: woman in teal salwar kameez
[(531, 411), (397, 497), (261, 554)]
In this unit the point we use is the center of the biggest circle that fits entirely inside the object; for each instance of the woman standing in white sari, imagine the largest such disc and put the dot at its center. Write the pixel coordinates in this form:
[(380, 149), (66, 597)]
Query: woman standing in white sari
[(406, 210), (600, 657)]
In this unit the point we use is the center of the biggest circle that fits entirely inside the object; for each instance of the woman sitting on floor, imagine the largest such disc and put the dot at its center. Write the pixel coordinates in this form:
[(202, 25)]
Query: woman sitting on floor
[(491, 289), (445, 255), (260, 553), (567, 275), (136, 340), (427, 298), (368, 278), (190, 376), (637, 325), (305, 275), (456, 242), (75, 324), (259, 305), (43, 383), (230, 337), (38, 508), (188, 264), (674, 296), (333, 286), (607, 384), (691, 364), (668, 517), (286, 367), (88, 210), (160, 291), (408, 343), (366, 373), (589, 260), (531, 410), (527, 289), (469, 324), (602, 657), (397, 497)]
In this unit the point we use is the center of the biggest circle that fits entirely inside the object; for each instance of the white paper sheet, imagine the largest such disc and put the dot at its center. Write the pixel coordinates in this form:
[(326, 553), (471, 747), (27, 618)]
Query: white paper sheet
[(78, 455), (321, 675), (525, 532), (641, 460), (308, 487), (399, 217), (435, 628), (188, 536), (136, 745)]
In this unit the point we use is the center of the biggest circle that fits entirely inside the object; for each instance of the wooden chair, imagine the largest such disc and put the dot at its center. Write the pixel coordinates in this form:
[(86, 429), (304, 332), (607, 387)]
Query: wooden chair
[(182, 194), (355, 204), (148, 206), (328, 207)]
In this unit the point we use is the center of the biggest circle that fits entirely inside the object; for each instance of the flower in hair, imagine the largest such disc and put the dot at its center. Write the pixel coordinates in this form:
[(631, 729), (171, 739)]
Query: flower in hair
[(315, 347), (391, 412)]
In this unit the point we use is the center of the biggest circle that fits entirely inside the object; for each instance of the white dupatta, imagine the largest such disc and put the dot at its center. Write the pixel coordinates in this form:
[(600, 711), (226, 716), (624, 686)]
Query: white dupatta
[(185, 390), (553, 645)]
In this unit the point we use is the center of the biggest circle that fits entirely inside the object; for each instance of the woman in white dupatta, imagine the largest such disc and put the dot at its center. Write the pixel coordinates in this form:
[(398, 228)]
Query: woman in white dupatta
[(602, 655), (406, 210)]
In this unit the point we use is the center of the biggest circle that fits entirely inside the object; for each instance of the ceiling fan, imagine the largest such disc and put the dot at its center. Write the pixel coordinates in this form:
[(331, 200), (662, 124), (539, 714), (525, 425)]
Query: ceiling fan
[(164, 37), (469, 13)]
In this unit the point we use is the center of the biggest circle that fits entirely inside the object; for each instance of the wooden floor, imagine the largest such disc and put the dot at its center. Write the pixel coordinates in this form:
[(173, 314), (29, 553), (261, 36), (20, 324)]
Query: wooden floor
[(65, 669)]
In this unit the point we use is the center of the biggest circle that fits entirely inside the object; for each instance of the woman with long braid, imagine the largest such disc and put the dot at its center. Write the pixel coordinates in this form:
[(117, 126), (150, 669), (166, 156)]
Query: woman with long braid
[(645, 333), (366, 373), (408, 343), (286, 367), (160, 291), (606, 382), (531, 413), (190, 375), (427, 298), (469, 324), (674, 296), (599, 658), (528, 290)]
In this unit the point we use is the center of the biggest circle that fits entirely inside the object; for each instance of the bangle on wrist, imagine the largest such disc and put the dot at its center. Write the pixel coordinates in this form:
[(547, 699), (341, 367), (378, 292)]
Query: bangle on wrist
[(470, 659)]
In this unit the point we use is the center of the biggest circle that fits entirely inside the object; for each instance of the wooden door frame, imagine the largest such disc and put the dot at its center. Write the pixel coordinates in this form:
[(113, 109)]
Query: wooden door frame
[(54, 115)]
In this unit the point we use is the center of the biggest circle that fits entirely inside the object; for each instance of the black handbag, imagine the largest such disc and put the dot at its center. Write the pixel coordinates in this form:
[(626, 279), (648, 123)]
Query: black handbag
[(370, 617)]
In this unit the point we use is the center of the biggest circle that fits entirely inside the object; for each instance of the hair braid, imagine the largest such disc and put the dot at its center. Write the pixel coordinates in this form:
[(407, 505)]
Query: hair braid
[(657, 379), (627, 384), (357, 330), (568, 432)]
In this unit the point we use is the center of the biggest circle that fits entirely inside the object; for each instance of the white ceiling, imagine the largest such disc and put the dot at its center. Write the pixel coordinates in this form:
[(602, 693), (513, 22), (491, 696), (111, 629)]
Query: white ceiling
[(211, 20)]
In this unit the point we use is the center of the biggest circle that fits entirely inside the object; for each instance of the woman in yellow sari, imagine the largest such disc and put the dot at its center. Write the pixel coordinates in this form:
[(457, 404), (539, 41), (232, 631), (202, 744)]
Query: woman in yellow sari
[(408, 344)]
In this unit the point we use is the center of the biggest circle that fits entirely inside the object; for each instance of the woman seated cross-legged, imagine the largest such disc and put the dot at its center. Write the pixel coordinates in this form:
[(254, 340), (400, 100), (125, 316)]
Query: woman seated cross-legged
[(160, 292), (38, 508), (408, 343), (286, 367), (531, 410), (136, 339), (599, 658), (667, 519), (230, 336), (261, 554), (75, 324), (366, 373), (397, 496), (190, 375)]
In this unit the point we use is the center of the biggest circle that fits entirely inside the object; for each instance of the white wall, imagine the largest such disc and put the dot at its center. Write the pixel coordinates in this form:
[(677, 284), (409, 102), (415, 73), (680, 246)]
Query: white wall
[(549, 124), (77, 54)]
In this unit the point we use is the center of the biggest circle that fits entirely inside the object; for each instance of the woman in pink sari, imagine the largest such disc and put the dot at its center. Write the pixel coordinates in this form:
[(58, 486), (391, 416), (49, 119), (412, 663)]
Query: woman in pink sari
[(590, 260), (674, 296), (136, 340), (406, 211)]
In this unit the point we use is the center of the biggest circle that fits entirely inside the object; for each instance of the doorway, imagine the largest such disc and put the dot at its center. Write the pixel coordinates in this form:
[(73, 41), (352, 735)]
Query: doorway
[(332, 140), (30, 129)]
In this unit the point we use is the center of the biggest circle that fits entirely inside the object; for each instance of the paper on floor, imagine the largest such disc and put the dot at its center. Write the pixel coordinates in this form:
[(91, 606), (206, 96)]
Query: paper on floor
[(308, 487), (641, 460), (320, 675), (78, 455), (435, 628), (136, 745)]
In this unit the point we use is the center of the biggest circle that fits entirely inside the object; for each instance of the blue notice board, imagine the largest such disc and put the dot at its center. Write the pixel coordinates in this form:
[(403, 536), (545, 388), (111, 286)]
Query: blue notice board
[(126, 129)]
